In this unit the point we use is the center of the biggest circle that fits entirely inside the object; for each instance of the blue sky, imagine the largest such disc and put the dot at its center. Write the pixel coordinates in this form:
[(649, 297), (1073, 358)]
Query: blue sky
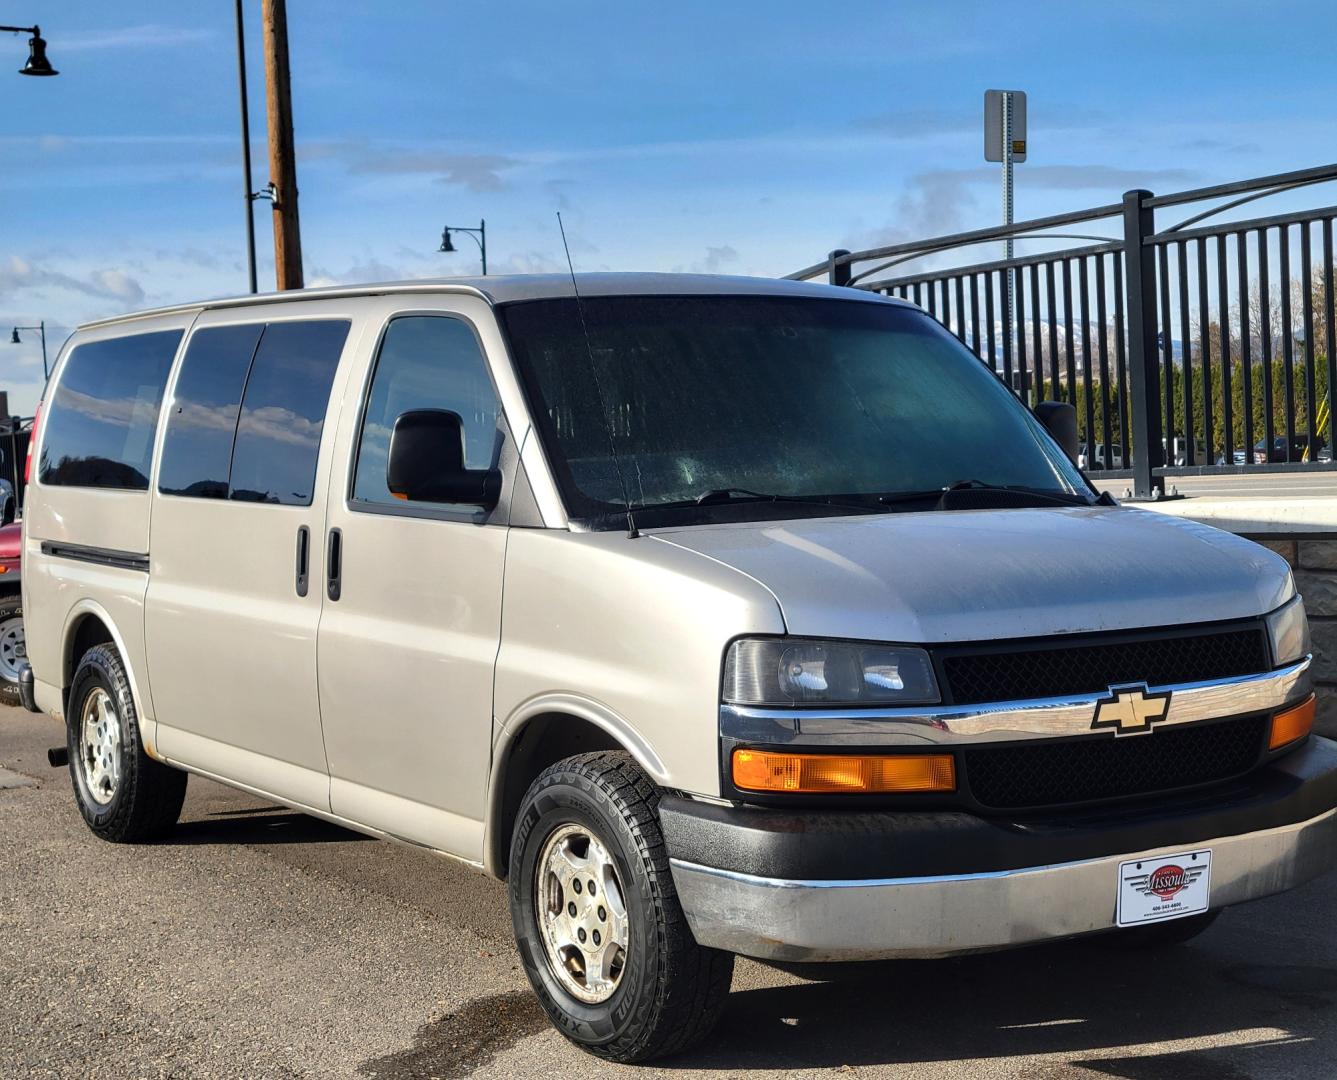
[(739, 137)]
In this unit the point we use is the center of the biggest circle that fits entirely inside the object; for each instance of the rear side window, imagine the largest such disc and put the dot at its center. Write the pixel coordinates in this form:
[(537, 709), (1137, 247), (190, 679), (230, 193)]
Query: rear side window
[(426, 362), (283, 412), (248, 411), (197, 450), (100, 423)]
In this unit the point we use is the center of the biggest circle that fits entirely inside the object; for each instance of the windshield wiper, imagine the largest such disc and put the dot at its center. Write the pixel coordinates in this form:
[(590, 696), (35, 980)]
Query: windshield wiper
[(722, 496), (1058, 498)]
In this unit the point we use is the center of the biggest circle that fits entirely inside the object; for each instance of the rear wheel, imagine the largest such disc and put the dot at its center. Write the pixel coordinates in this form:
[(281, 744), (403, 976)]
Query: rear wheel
[(124, 795), (13, 648), (601, 933)]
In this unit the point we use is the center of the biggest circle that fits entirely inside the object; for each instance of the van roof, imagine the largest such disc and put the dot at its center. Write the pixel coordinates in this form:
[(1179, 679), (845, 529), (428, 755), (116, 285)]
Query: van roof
[(503, 289)]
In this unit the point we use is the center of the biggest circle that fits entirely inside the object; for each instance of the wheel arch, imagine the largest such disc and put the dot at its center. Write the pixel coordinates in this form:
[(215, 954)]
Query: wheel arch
[(88, 624), (540, 733)]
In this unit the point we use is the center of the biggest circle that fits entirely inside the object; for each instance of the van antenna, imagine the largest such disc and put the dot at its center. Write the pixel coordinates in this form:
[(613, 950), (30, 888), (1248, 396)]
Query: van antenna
[(632, 532)]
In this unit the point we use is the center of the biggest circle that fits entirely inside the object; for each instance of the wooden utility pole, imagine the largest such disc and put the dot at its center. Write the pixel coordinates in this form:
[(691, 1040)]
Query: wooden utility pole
[(282, 160)]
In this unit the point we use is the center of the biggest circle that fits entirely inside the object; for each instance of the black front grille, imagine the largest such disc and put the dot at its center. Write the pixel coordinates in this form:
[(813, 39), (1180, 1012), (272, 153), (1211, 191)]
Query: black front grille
[(1090, 768), (1018, 672)]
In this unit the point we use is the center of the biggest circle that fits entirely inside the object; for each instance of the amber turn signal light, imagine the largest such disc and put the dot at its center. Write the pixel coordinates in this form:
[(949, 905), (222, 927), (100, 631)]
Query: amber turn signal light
[(822, 774), (1294, 723)]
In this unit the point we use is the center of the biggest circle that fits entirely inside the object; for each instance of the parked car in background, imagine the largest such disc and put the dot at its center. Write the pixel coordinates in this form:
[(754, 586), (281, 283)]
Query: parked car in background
[(13, 651), (1299, 443), (1200, 453), (1099, 460)]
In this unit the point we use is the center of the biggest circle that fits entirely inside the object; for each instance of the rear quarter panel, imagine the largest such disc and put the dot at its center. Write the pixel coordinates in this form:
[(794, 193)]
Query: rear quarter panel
[(58, 590)]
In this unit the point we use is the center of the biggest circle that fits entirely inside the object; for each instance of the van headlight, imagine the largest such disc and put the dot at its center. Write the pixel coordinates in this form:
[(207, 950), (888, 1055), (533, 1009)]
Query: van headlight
[(1288, 629), (789, 671)]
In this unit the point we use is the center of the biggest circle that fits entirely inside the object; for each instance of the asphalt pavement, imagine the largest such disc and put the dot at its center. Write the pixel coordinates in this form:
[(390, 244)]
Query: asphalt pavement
[(261, 943)]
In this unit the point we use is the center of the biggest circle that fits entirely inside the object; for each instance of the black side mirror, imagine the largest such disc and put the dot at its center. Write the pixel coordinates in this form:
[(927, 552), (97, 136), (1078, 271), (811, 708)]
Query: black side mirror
[(1060, 420), (426, 462)]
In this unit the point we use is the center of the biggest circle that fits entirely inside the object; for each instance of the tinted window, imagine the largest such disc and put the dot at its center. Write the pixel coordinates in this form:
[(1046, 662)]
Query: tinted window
[(795, 397), (426, 362), (99, 425), (283, 412), (197, 450)]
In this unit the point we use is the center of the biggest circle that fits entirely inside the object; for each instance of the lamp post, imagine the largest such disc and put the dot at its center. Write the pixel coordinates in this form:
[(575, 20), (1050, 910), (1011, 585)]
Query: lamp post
[(14, 339), (480, 238), (37, 63), (249, 195)]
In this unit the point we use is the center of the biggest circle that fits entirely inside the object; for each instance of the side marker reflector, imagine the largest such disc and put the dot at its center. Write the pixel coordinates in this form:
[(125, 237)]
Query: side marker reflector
[(1295, 723)]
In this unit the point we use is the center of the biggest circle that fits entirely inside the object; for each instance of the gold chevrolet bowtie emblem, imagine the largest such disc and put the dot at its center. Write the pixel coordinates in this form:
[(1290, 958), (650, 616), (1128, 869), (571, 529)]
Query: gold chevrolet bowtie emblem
[(1130, 710)]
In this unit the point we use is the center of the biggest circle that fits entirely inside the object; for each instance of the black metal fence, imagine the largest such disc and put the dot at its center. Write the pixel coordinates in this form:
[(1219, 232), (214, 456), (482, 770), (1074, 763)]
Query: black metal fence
[(1184, 348)]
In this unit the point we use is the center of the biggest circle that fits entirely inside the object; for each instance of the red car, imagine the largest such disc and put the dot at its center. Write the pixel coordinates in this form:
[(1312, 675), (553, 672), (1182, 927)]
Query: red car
[(13, 650)]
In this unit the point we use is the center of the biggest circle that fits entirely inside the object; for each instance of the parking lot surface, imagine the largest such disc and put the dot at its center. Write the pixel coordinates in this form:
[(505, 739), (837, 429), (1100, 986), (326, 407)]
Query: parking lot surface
[(261, 943), (1278, 485)]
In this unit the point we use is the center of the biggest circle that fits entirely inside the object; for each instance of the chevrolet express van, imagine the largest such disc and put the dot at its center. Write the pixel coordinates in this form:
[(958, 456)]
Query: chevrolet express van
[(717, 616)]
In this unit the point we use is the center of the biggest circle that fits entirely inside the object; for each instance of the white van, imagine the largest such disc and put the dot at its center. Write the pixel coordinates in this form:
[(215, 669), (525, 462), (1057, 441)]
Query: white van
[(716, 615)]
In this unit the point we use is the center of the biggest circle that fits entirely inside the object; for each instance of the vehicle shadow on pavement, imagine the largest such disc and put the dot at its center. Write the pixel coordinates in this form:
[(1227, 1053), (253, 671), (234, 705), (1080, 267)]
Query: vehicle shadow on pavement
[(1074, 998), (261, 825)]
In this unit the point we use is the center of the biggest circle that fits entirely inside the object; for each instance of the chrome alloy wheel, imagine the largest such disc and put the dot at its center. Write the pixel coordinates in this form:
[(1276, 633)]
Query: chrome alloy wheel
[(581, 914), (100, 746), (13, 648)]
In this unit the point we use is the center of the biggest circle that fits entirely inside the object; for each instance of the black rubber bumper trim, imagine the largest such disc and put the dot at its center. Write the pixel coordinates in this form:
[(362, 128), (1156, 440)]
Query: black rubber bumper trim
[(843, 845), (26, 688), (124, 560)]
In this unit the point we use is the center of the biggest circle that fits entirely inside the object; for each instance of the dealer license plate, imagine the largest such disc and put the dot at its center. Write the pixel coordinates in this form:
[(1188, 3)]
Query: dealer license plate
[(1164, 887)]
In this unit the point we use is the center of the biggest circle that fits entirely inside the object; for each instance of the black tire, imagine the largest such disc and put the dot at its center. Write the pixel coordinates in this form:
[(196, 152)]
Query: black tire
[(1164, 935), (145, 801), (12, 647), (670, 990)]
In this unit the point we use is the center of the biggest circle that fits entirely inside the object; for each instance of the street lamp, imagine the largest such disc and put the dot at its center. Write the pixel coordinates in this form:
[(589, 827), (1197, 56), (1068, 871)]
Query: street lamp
[(480, 238), (247, 194), (37, 63), (14, 339)]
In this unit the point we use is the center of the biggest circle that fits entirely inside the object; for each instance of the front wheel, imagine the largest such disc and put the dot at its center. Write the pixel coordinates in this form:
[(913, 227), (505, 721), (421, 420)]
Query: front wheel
[(600, 931)]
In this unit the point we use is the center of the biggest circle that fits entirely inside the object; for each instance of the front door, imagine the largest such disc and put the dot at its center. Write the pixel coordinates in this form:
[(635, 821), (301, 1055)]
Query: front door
[(230, 627), (409, 637)]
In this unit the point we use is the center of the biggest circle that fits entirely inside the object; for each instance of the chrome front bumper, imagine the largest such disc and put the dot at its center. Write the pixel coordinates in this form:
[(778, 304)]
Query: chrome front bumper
[(796, 920)]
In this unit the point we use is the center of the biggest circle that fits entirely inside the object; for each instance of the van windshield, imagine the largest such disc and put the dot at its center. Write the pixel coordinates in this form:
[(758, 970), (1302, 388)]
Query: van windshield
[(679, 403)]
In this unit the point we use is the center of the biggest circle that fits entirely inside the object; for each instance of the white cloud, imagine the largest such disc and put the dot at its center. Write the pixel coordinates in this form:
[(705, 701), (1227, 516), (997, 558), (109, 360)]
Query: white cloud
[(18, 274), (144, 36), (1110, 178), (475, 172), (717, 260), (118, 284)]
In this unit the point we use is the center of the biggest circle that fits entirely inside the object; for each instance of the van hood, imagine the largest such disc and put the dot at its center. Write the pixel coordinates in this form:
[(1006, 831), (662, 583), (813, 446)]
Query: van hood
[(948, 576)]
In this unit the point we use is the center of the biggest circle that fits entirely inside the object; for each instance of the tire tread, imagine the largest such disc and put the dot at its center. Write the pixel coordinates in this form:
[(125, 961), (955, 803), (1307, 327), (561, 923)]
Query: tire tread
[(693, 983), (150, 799)]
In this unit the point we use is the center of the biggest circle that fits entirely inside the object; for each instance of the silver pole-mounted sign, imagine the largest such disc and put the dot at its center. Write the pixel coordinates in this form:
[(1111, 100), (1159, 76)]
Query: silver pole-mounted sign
[(1005, 141)]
